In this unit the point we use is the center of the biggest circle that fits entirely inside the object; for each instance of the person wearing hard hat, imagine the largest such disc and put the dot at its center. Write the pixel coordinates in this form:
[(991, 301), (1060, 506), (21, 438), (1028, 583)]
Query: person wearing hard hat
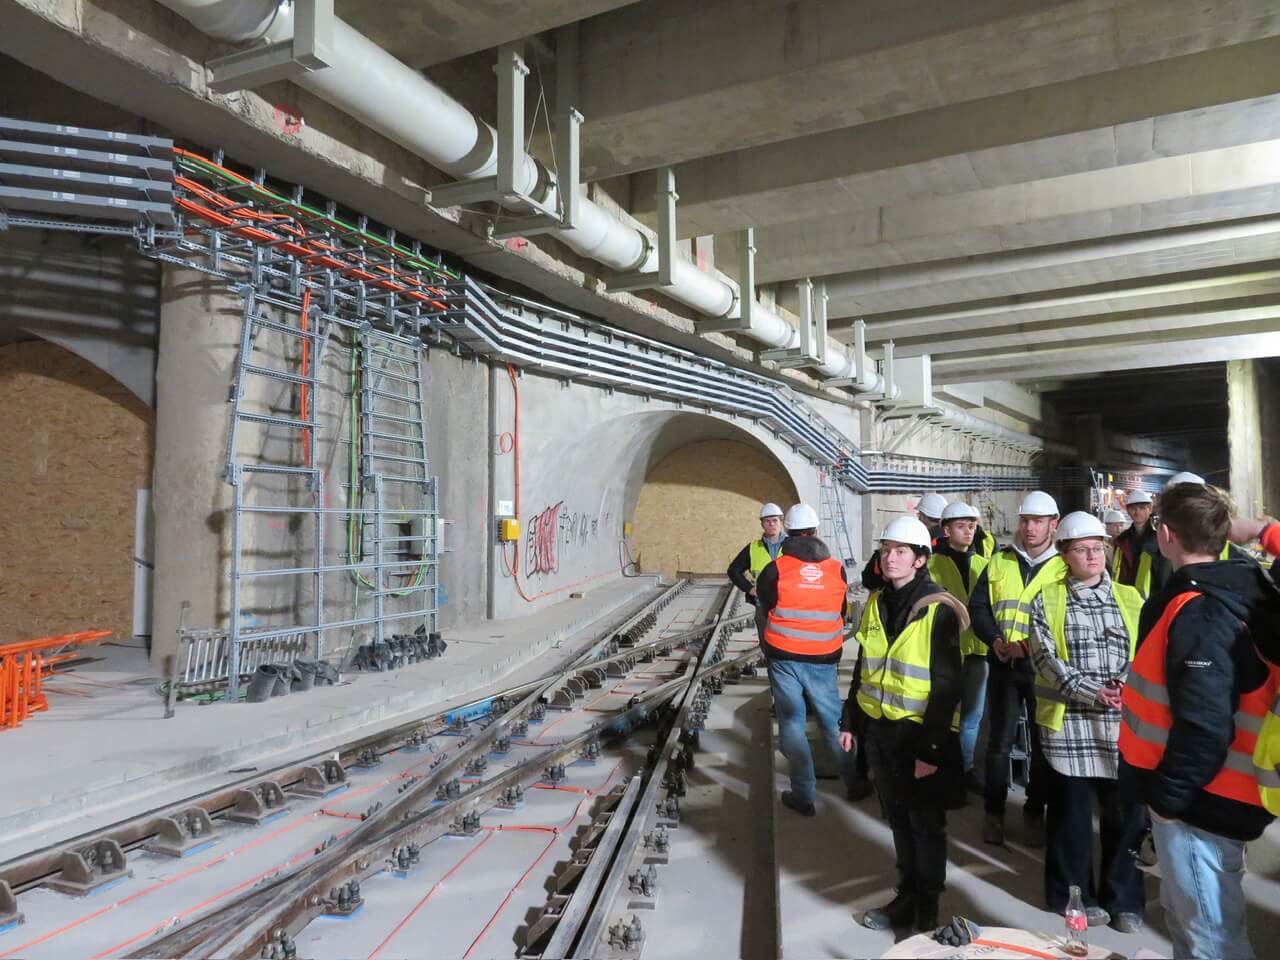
[(1199, 742), (929, 509), (1135, 549), (956, 566), (1084, 633), (904, 707), (1000, 622), (1116, 522), (802, 594), (758, 554)]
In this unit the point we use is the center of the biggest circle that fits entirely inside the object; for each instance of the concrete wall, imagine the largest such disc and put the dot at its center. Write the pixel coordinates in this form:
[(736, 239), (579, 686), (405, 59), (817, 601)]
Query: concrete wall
[(77, 446), (702, 502)]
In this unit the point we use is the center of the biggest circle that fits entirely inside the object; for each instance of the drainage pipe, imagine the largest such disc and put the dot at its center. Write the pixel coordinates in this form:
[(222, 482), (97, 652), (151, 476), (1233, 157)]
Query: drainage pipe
[(369, 84)]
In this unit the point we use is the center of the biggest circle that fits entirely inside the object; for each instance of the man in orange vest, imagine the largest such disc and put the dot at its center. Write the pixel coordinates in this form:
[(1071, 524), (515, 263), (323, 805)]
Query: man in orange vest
[(1196, 696), (803, 592)]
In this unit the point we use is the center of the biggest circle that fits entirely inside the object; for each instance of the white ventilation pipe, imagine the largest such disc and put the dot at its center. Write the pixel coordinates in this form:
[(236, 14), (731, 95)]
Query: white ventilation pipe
[(369, 84)]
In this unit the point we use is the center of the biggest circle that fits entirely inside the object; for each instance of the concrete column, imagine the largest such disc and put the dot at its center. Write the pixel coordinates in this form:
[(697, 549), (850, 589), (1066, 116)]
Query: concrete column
[(199, 338), (1244, 435)]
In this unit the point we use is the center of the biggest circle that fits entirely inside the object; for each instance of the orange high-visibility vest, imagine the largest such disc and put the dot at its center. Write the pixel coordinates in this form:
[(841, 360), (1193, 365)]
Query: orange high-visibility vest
[(808, 617), (1146, 716)]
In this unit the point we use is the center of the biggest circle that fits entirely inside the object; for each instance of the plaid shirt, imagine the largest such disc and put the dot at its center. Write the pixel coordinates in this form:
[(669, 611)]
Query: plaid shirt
[(1098, 651)]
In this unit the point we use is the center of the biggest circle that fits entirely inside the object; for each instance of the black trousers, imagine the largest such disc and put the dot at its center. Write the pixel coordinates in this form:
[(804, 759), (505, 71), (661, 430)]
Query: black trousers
[(916, 809), (1069, 852), (1007, 689)]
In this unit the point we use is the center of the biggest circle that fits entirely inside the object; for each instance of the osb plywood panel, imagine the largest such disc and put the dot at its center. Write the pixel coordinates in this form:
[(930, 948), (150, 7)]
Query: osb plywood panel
[(700, 505), (76, 447)]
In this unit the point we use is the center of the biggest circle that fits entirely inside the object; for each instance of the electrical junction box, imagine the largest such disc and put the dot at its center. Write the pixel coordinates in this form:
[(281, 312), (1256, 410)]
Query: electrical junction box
[(508, 530)]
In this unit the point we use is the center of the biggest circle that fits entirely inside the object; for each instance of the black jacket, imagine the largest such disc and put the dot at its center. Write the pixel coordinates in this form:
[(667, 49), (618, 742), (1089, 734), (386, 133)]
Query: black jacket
[(873, 579), (813, 550), (963, 561), (930, 739), (738, 570), (985, 627), (1210, 662), (1130, 539)]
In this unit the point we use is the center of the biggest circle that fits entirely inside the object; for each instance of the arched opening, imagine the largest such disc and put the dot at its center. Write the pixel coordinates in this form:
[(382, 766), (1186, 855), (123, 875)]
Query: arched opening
[(77, 445), (701, 497)]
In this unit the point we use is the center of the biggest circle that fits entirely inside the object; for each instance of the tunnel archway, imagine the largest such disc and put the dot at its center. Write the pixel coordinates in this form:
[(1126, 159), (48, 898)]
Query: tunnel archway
[(704, 481)]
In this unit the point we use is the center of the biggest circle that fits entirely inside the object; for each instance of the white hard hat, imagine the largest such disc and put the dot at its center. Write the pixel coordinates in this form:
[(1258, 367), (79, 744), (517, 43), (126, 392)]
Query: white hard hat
[(1115, 516), (1081, 525), (932, 504), (770, 510), (1137, 497), (959, 510), (1184, 477), (801, 517), (907, 530), (1037, 503)]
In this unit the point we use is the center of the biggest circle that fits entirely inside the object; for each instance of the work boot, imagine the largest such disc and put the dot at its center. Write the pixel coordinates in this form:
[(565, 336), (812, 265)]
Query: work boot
[(972, 783), (993, 829), (1127, 922), (1032, 828), (858, 790), (926, 914), (791, 803), (897, 913)]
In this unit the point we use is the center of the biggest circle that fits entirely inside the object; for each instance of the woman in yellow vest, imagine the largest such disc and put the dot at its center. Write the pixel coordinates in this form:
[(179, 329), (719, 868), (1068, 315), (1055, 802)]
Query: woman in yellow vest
[(1084, 630), (955, 565), (904, 707), (745, 569)]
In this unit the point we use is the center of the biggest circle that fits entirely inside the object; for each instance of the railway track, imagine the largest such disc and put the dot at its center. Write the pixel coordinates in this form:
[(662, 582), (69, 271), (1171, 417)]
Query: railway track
[(451, 826)]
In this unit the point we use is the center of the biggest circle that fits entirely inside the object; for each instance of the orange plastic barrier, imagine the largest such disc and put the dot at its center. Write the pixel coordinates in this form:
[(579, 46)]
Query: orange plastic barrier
[(23, 667)]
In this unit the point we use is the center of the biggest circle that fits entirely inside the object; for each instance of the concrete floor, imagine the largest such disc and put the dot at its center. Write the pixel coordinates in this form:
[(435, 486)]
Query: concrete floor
[(103, 750)]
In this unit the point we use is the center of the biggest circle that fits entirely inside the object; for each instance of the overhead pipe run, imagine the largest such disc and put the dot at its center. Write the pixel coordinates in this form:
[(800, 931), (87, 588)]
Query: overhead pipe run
[(371, 85)]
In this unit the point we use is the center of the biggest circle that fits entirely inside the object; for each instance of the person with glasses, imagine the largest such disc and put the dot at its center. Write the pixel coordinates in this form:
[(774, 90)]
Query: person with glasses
[(1084, 631)]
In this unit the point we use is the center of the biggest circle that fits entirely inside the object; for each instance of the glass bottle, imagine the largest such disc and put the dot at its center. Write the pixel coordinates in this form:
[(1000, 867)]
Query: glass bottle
[(1076, 942)]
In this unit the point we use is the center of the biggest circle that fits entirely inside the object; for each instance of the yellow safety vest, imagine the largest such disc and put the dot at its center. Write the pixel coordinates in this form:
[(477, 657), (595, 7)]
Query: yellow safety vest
[(759, 558), (1051, 704), (896, 678), (1146, 561), (1005, 586), (945, 573), (986, 546), (1266, 759)]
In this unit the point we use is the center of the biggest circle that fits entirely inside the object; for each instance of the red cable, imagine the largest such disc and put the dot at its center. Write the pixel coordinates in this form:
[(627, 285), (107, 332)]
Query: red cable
[(502, 906)]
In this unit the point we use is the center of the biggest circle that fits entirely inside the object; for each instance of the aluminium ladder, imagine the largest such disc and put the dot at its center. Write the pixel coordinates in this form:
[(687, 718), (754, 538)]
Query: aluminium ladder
[(834, 525)]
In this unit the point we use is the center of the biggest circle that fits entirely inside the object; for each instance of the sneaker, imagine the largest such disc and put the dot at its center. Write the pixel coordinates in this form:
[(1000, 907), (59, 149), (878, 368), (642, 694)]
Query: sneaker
[(1033, 829), (1127, 922), (993, 829), (898, 912), (858, 790), (791, 803), (1097, 917), (926, 914)]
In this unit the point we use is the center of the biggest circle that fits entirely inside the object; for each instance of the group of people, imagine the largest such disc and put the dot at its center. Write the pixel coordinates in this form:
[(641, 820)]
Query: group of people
[(1145, 660)]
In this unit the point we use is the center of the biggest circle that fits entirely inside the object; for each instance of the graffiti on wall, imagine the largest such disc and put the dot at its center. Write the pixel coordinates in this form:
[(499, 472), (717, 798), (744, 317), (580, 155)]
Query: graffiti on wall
[(556, 533)]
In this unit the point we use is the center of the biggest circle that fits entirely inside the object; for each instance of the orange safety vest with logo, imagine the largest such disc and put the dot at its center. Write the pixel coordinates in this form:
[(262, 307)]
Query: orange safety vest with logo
[(1146, 717), (808, 619)]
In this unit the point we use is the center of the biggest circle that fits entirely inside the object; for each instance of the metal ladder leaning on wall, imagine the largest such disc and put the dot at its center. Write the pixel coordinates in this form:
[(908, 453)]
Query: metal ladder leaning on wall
[(834, 525)]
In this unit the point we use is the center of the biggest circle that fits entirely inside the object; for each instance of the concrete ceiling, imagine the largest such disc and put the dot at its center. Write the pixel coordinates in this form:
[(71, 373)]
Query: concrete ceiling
[(1025, 189)]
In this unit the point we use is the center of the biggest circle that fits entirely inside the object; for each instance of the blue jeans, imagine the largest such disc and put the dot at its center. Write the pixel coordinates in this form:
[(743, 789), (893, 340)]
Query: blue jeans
[(1201, 888), (794, 681), (973, 699)]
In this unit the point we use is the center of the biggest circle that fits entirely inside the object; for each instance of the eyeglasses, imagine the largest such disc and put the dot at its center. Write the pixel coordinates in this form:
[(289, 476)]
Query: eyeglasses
[(1155, 522), (1087, 550)]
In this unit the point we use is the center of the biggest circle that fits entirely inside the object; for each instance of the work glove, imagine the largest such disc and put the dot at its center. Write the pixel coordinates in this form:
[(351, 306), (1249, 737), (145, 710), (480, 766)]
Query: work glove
[(958, 933)]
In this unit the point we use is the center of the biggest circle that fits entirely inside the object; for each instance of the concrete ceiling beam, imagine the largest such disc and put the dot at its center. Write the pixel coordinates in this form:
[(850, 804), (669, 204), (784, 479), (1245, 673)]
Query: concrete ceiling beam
[(1086, 359), (1055, 130), (1210, 178), (810, 66), (424, 34)]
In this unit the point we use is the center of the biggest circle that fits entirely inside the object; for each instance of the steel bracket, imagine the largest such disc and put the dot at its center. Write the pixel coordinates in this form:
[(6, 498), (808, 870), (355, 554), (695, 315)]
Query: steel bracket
[(664, 276), (505, 186), (741, 318), (812, 351), (310, 48)]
